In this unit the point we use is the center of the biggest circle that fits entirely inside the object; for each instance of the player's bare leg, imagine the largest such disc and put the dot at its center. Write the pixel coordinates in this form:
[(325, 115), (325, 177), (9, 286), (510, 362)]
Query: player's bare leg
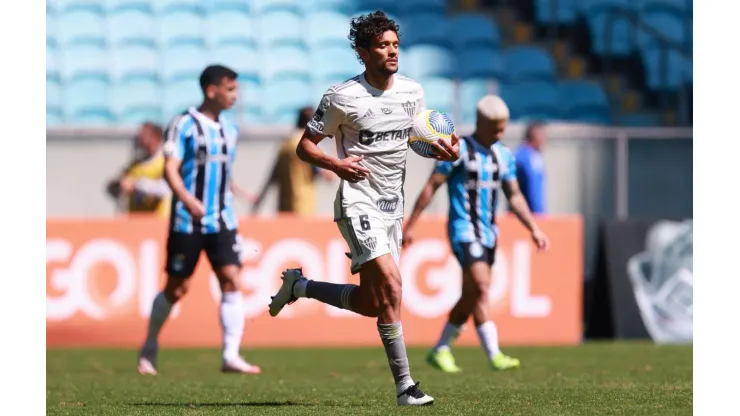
[(231, 312), (174, 290)]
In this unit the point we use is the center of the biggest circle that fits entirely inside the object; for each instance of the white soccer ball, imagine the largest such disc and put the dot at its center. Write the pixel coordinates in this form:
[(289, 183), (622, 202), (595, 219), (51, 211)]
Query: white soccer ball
[(429, 127)]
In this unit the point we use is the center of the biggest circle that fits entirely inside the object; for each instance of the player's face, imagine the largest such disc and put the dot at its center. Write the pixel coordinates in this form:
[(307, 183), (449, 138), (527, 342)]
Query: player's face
[(224, 93), (494, 129), (383, 54)]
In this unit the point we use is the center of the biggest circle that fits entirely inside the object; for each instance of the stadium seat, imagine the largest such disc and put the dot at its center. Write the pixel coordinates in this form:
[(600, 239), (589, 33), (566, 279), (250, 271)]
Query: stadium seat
[(426, 29), (532, 100), (389, 12), (229, 26), (339, 6), (334, 63), (86, 100), (84, 59), (285, 61), (610, 39), (407, 7), (670, 26), (283, 97), (244, 59), (113, 6), (550, 12), (594, 6), (79, 25), (180, 26), (528, 63), (428, 61), (223, 6), (52, 64), (131, 26), (639, 120), (134, 61), (135, 99), (53, 95), (280, 27), (69, 5), (390, 7), (54, 117), (480, 62), (471, 91), (261, 7), (327, 28), (180, 95), (584, 101), (439, 94), (473, 30), (675, 70), (51, 26), (100, 117), (165, 7), (250, 93), (183, 61), (680, 8)]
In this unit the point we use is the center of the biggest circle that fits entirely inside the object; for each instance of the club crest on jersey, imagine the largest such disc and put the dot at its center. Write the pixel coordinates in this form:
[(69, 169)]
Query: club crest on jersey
[(388, 205), (370, 243), (409, 108)]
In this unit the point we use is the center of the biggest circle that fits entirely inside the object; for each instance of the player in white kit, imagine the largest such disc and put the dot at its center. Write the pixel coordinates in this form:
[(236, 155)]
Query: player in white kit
[(370, 117)]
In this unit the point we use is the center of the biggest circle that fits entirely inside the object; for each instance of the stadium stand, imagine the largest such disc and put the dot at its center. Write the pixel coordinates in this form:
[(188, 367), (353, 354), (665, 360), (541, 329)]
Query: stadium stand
[(607, 61)]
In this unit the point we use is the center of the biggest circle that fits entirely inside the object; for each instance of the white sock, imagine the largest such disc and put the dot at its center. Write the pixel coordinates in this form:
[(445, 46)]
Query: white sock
[(450, 332), (488, 335), (232, 324), (160, 311), (299, 289)]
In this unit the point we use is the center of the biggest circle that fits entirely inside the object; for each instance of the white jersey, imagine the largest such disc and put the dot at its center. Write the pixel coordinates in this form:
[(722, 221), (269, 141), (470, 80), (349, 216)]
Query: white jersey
[(375, 124)]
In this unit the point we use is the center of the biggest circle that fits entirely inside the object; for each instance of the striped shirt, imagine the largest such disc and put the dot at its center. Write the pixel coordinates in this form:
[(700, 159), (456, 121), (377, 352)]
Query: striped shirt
[(207, 150), (473, 181)]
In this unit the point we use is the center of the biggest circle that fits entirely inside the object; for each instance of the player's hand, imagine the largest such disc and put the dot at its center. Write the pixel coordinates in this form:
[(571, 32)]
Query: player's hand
[(447, 152), (126, 186), (195, 208), (408, 238), (351, 170), (540, 240)]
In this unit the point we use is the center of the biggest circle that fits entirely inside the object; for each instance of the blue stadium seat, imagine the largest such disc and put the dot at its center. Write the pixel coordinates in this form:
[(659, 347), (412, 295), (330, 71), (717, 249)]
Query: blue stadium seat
[(389, 12), (164, 7), (407, 7), (183, 61), (670, 26), (426, 29), (679, 8), (532, 100), (617, 43), (84, 59), (131, 26), (80, 25), (52, 64), (180, 95), (283, 97), (220, 6), (113, 6), (340, 6), (480, 62), (327, 28), (132, 102), (439, 94), (473, 30), (250, 94), (134, 61), (639, 120), (556, 11), (285, 61), (267, 6), (525, 63), (593, 6), (688, 71), (244, 59), (280, 27), (584, 101), (675, 71), (86, 101), (69, 5), (428, 61), (390, 7), (53, 95), (471, 91), (334, 63), (54, 117), (229, 26), (180, 26), (51, 26)]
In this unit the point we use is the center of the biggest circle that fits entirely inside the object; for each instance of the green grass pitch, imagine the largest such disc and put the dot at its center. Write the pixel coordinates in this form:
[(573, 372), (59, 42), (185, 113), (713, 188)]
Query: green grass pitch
[(594, 379)]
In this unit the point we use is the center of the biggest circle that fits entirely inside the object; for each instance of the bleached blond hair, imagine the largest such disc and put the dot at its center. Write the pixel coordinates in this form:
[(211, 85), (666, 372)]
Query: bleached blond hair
[(492, 107)]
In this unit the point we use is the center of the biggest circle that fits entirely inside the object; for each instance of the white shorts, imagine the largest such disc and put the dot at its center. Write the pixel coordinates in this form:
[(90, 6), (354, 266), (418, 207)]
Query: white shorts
[(371, 237)]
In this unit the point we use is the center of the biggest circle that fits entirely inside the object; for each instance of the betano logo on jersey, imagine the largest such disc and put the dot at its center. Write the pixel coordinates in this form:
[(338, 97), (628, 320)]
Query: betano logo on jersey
[(388, 205), (368, 137)]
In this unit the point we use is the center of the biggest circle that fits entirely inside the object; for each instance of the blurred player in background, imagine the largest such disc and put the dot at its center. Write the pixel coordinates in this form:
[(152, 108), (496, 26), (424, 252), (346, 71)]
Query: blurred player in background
[(530, 168), (473, 181), (141, 187), (199, 148), (294, 178), (370, 117)]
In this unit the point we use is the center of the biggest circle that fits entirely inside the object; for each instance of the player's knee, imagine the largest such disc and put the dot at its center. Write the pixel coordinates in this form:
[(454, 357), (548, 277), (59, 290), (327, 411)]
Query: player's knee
[(389, 293), (480, 292), (228, 278), (176, 289)]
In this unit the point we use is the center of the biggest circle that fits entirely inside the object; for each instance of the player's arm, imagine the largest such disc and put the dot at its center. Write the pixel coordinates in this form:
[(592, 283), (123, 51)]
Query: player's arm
[(156, 188), (436, 179), (174, 151), (266, 187), (519, 205), (324, 123)]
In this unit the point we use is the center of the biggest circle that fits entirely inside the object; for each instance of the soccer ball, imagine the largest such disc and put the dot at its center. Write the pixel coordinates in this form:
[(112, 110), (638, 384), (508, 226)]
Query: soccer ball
[(429, 127)]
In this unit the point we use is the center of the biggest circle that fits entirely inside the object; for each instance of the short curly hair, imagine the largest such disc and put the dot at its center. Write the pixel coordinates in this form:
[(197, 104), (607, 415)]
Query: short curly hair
[(365, 28)]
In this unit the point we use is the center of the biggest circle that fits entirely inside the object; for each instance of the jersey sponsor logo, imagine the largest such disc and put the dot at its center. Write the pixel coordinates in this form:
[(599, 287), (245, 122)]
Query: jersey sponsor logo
[(409, 108), (472, 184), (202, 157), (368, 137), (386, 110), (388, 205)]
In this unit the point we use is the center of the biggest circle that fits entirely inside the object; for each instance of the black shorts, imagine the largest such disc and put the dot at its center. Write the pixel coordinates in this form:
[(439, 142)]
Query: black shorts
[(469, 253), (183, 251)]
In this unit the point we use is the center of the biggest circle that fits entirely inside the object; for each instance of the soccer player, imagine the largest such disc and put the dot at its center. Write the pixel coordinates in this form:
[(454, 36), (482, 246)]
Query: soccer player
[(199, 147), (370, 117), (472, 184)]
